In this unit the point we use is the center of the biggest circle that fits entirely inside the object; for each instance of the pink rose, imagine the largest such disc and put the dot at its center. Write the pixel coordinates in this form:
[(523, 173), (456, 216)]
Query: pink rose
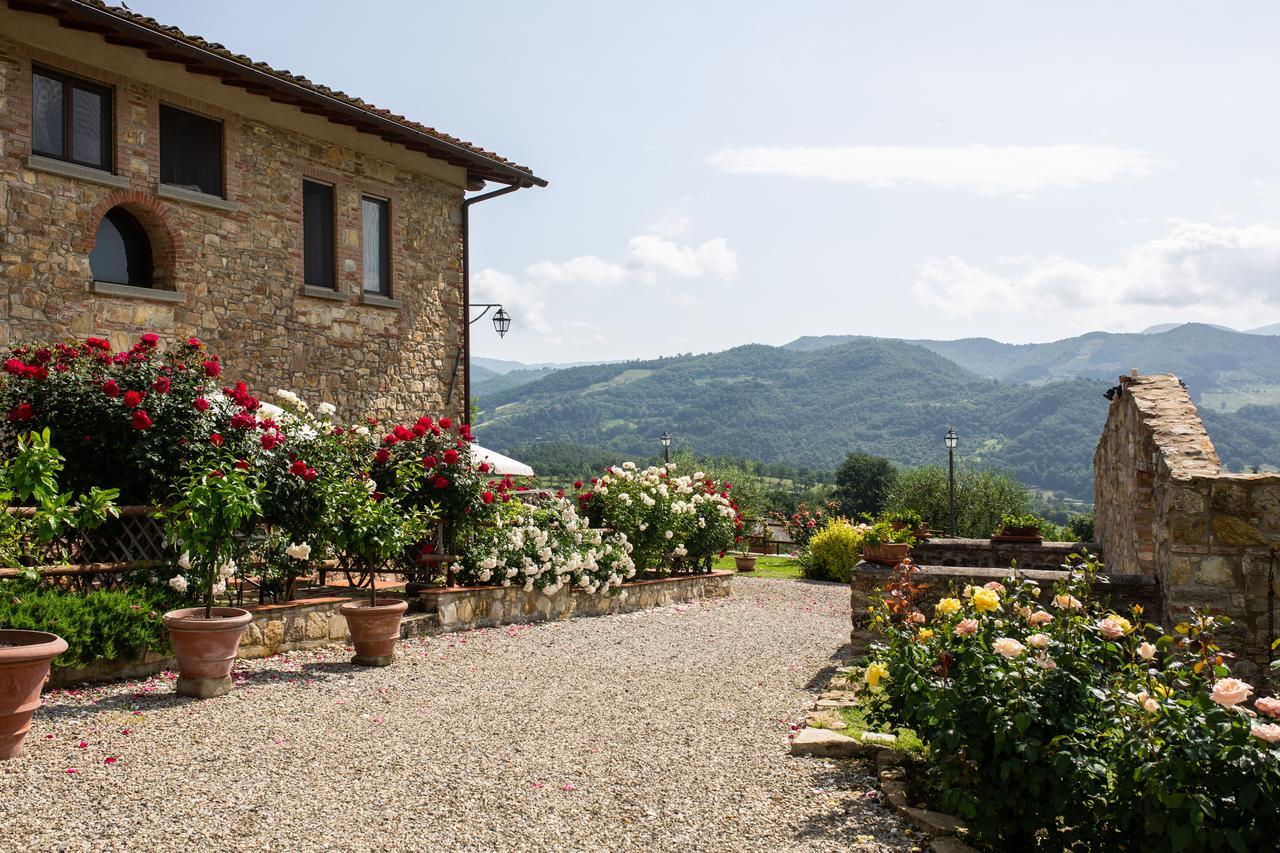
[(1269, 706), (1269, 732), (1039, 618), (996, 585), (1230, 692), (1008, 647), (966, 628), (1038, 641)]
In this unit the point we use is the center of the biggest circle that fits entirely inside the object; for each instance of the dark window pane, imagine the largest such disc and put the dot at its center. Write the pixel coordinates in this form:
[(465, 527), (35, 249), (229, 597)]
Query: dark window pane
[(376, 251), (46, 115), (317, 234), (86, 127), (122, 253), (190, 151)]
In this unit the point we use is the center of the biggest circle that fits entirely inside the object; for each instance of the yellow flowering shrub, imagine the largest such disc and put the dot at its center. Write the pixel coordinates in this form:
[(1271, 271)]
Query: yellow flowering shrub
[(833, 551)]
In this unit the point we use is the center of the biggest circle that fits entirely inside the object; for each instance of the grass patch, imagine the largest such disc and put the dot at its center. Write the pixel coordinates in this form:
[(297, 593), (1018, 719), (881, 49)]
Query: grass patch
[(856, 722), (766, 567)]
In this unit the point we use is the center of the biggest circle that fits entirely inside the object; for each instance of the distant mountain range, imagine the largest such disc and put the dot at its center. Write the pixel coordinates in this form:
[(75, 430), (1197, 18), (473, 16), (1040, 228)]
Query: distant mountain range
[(1034, 409)]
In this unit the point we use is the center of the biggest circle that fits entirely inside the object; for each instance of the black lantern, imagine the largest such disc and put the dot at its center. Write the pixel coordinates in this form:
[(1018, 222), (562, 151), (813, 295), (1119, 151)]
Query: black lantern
[(501, 322), (665, 438), (951, 439)]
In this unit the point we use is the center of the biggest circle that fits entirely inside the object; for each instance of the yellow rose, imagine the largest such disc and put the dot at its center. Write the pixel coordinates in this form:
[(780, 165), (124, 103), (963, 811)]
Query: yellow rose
[(875, 672), (986, 600), (924, 634), (946, 607)]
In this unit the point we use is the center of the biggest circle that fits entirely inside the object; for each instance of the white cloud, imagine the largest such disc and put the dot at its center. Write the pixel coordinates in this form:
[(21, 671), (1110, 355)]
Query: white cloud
[(673, 221), (1201, 270), (648, 259), (980, 168)]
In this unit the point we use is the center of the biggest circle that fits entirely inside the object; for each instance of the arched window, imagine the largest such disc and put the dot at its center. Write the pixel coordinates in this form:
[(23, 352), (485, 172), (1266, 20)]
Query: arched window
[(121, 253)]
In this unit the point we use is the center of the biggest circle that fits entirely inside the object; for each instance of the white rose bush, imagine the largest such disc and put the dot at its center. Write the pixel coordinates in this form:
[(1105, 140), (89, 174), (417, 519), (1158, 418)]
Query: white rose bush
[(1072, 726), (673, 522)]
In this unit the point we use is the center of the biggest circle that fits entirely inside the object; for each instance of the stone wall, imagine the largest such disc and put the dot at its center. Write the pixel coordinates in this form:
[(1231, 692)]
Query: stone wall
[(310, 623), (992, 554), (869, 581), (232, 268), (1165, 508)]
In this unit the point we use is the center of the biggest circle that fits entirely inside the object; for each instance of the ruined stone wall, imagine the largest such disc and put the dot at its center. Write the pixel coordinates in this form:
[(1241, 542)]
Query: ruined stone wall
[(233, 267), (1163, 507)]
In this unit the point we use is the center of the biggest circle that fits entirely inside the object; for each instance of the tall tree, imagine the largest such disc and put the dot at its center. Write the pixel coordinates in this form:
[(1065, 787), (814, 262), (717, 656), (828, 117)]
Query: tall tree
[(863, 483)]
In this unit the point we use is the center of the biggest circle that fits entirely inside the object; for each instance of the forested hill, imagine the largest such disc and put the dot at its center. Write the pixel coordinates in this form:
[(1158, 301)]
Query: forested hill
[(1212, 360), (811, 408)]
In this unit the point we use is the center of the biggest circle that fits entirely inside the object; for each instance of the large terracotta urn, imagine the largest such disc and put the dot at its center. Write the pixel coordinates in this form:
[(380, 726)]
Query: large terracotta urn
[(205, 648), (375, 628), (24, 668)]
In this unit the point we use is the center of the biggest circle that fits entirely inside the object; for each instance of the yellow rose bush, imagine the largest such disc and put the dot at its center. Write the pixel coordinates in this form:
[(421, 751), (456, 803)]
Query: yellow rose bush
[(1078, 727)]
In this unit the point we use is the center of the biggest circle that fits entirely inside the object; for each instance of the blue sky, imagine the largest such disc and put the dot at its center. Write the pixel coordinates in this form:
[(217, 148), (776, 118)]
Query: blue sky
[(724, 173)]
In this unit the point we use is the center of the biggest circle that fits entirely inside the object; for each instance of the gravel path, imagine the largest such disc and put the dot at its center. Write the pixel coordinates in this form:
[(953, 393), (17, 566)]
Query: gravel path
[(660, 730)]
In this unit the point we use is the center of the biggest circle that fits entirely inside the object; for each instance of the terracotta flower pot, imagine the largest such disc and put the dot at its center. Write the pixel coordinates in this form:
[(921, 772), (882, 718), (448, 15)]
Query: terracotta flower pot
[(744, 563), (374, 630), (890, 554), (205, 648), (24, 668)]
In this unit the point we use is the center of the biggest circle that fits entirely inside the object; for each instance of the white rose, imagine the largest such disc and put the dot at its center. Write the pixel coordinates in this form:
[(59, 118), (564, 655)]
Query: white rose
[(219, 588), (184, 562), (361, 430), (179, 583), (298, 551), (327, 409)]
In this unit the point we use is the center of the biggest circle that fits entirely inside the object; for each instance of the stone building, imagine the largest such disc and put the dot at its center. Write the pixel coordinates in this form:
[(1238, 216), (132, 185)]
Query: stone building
[(1165, 508), (154, 181)]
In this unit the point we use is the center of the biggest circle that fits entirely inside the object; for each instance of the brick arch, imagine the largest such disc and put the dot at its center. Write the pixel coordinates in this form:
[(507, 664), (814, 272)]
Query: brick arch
[(166, 241)]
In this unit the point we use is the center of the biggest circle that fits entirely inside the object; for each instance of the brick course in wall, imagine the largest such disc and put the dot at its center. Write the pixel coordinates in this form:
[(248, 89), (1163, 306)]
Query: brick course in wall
[(236, 266)]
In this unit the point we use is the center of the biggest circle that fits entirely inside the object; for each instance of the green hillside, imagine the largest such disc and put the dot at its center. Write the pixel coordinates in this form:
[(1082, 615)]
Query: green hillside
[(811, 408), (1223, 369)]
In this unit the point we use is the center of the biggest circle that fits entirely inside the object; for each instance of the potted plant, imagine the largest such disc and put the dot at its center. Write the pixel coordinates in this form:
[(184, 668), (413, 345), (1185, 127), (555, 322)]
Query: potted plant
[(907, 519), (27, 536), (745, 561), (883, 544), (1017, 528), (219, 504), (372, 529)]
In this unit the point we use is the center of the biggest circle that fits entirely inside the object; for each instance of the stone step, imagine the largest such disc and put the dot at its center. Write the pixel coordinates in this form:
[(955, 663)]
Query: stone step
[(823, 743)]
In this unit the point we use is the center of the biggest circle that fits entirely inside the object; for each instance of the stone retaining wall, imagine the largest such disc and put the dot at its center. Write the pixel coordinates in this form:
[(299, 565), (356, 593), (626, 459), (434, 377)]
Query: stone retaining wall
[(310, 623), (869, 580), (991, 554)]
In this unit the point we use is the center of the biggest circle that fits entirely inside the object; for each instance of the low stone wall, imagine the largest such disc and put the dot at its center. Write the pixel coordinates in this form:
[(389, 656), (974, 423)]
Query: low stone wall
[(869, 580), (460, 608), (991, 554), (309, 623)]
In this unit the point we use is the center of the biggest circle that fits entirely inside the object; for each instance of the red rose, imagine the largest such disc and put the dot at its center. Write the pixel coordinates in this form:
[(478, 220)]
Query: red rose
[(242, 464), (217, 472), (298, 468), (216, 439), (441, 482), (377, 496), (577, 484), (140, 419), (383, 456), (98, 344), (161, 385), (446, 423), (195, 342), (110, 388), (428, 462), (450, 456), (337, 431), (309, 474), (35, 371), (419, 430), (487, 497), (212, 368), (201, 404), (389, 440), (150, 339), (424, 422), (268, 440), (22, 412), (14, 366), (132, 399)]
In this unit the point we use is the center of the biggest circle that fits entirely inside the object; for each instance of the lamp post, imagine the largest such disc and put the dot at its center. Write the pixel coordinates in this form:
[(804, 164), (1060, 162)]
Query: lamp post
[(501, 325), (951, 440), (665, 438)]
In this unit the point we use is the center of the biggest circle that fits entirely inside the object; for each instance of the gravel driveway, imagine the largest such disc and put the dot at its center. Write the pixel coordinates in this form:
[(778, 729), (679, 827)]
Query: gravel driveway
[(659, 730)]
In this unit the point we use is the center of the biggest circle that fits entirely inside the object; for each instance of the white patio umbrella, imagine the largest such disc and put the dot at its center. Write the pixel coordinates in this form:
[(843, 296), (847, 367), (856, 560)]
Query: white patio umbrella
[(499, 464)]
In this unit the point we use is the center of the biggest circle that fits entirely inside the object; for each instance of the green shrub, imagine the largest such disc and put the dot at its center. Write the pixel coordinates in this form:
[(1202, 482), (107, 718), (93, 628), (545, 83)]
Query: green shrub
[(982, 496), (1081, 527), (98, 625), (833, 551)]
